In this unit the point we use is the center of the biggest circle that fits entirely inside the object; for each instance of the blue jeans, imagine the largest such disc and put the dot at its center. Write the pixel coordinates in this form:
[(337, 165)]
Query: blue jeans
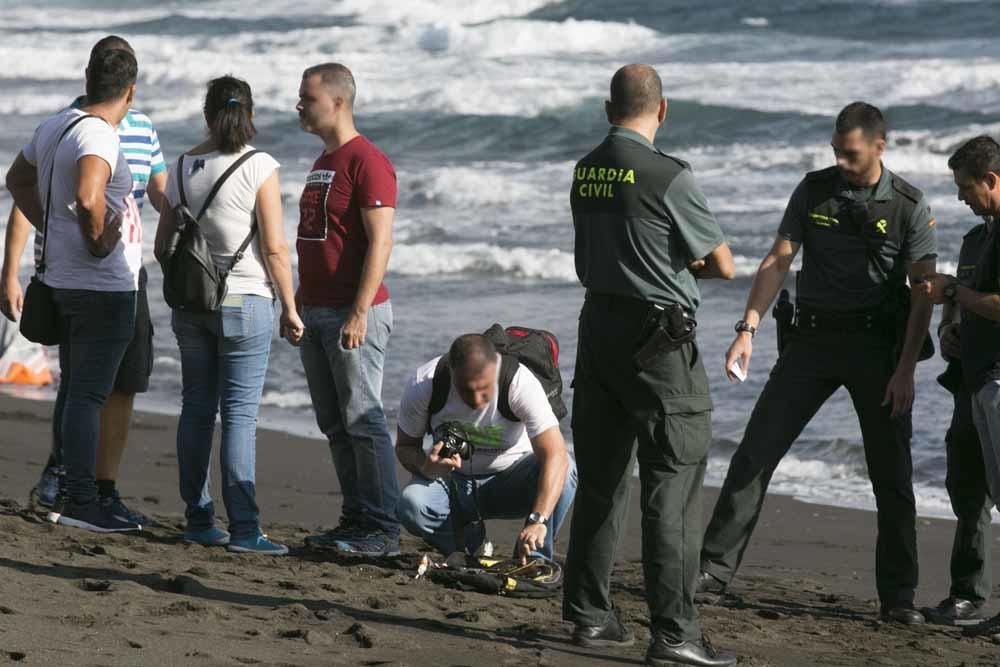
[(425, 508), (96, 327), (346, 391), (223, 363)]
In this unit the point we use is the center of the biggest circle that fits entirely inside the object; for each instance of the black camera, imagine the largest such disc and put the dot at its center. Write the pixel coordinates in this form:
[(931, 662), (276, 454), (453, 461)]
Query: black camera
[(454, 440)]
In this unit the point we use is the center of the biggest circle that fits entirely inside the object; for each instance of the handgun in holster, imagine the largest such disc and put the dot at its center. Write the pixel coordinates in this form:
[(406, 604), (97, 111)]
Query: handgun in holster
[(667, 329), (784, 314)]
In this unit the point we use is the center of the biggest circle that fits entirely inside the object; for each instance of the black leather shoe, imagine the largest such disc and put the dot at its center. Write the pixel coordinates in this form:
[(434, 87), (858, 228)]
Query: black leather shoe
[(954, 611), (904, 614), (707, 583), (662, 653), (613, 633)]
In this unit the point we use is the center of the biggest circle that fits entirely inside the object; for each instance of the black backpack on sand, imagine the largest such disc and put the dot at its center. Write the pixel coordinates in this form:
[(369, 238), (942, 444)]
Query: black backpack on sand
[(535, 348)]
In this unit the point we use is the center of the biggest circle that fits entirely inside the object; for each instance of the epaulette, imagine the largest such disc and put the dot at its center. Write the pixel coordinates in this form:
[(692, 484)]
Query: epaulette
[(905, 189), (682, 163), (823, 174)]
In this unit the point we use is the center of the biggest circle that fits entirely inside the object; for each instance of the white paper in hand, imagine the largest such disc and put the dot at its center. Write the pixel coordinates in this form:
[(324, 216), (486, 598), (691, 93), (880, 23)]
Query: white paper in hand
[(737, 371)]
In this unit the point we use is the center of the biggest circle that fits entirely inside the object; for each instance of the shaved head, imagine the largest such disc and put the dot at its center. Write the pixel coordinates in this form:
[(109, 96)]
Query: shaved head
[(471, 354), (337, 78), (636, 90)]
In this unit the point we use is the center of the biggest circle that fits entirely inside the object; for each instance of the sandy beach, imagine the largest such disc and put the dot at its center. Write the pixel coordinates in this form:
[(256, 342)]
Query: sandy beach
[(805, 595)]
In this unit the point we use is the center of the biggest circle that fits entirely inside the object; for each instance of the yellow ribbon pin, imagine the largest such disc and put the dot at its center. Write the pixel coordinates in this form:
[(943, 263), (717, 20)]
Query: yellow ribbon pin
[(880, 225)]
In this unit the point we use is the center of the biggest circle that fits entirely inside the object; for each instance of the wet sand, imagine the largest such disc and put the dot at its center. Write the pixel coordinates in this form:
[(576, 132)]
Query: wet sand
[(805, 595)]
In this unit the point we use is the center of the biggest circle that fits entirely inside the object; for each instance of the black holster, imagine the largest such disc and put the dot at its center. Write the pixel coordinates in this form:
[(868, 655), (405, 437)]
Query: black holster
[(667, 329), (784, 315)]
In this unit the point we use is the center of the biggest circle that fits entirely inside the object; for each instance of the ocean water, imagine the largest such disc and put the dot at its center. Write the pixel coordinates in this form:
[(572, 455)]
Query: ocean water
[(484, 105)]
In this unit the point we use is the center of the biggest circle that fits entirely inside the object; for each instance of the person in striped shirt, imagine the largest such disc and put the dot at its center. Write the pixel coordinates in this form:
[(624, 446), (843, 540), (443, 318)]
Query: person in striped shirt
[(141, 147)]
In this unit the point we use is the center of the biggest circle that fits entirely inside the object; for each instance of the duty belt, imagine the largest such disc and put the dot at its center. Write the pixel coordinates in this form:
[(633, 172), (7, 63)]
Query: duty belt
[(810, 319)]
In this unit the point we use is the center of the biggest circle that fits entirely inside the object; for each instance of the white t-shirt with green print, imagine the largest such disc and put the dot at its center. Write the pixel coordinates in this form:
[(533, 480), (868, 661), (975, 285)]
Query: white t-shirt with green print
[(500, 443)]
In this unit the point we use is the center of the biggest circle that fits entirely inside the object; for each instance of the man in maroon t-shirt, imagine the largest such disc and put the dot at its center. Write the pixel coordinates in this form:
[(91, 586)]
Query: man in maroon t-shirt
[(344, 238)]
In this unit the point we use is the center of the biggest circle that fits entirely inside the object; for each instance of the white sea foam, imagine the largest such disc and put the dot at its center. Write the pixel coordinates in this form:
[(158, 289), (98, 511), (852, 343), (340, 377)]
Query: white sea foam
[(425, 259), (837, 484), (286, 399)]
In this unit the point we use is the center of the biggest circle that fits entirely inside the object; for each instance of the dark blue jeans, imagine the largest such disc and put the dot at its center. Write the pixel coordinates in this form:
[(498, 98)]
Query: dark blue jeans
[(96, 327), (223, 364), (427, 505), (346, 390)]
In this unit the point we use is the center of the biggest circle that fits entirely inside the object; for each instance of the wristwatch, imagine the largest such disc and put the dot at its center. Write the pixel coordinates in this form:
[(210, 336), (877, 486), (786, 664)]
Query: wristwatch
[(950, 290), (743, 325), (536, 518)]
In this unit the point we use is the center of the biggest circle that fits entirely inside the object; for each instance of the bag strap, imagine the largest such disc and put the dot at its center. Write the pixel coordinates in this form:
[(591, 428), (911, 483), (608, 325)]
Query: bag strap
[(509, 365), (238, 255), (218, 183), (440, 386), (40, 266)]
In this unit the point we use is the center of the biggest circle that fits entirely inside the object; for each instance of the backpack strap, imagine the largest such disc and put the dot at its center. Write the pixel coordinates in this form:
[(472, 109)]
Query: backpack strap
[(509, 365), (180, 180), (440, 387), (222, 179), (40, 266)]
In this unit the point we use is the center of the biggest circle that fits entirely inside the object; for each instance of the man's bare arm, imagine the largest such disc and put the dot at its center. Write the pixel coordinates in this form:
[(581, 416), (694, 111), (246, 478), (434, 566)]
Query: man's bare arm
[(94, 174), (717, 264), (22, 183), (378, 227), (156, 191), (15, 238)]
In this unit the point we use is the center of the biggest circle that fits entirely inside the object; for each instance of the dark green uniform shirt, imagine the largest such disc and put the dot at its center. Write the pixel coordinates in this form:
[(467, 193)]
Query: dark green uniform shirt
[(841, 242), (980, 337), (640, 219)]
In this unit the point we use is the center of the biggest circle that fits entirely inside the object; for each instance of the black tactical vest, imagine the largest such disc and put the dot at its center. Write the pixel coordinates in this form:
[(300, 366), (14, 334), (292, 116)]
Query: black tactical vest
[(853, 253), (977, 269)]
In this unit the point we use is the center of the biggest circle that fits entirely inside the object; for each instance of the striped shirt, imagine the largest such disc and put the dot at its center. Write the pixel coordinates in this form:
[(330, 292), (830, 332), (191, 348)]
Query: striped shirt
[(141, 146)]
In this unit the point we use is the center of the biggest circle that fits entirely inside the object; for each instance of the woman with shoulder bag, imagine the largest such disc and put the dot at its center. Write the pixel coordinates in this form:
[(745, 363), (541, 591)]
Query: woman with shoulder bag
[(224, 351)]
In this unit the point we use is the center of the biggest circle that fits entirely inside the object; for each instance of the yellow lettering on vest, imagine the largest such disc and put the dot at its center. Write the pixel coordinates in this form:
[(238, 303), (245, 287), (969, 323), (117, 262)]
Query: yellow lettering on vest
[(629, 176), (581, 173), (592, 174), (600, 173)]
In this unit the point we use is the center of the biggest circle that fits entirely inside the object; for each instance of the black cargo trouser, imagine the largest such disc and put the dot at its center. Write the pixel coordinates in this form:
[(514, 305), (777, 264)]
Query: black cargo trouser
[(810, 369), (666, 409), (971, 571)]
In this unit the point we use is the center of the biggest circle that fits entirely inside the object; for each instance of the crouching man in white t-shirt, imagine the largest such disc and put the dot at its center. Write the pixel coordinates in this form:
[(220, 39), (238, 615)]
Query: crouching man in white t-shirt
[(518, 468)]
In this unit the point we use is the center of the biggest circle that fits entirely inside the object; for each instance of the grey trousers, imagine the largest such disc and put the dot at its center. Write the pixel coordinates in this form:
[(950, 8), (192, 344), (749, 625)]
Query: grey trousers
[(986, 414)]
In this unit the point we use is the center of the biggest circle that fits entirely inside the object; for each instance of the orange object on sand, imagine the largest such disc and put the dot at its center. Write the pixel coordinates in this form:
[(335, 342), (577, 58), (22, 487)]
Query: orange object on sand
[(21, 361)]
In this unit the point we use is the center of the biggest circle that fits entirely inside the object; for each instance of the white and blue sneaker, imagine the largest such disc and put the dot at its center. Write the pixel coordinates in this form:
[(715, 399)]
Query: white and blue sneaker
[(258, 544), (207, 537)]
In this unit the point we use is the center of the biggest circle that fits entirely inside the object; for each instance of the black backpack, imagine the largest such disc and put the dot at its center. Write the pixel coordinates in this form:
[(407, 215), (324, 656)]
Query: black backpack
[(535, 348), (191, 280), (538, 578)]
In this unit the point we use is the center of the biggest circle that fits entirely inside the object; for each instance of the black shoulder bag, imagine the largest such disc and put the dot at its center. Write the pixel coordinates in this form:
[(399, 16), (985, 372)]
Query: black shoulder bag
[(39, 315), (191, 280)]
